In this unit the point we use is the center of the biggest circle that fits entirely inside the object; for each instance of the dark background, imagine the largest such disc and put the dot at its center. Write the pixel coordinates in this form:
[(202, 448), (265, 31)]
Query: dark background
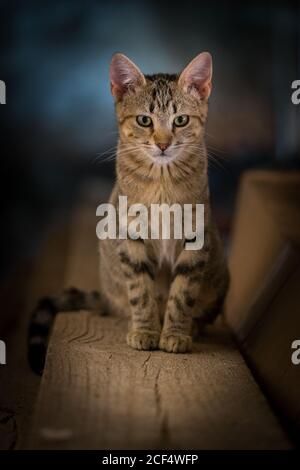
[(59, 115)]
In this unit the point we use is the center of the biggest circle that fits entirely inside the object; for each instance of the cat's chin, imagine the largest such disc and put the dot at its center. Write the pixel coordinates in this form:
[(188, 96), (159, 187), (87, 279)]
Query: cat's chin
[(163, 159)]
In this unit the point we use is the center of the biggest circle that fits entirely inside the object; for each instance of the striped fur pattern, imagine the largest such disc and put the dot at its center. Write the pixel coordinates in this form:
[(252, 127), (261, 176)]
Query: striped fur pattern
[(164, 288), (42, 319)]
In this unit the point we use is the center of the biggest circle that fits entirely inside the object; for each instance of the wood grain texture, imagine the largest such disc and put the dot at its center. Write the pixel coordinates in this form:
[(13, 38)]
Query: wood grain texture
[(264, 298), (97, 393), (268, 348), (267, 216), (19, 386)]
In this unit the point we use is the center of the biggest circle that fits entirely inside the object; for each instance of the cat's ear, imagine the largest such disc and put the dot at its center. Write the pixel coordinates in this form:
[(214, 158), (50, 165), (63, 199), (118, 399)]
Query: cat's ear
[(124, 74), (196, 77)]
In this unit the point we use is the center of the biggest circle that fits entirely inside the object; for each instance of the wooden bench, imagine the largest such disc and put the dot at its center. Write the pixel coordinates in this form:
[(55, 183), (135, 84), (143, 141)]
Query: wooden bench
[(264, 297), (97, 393)]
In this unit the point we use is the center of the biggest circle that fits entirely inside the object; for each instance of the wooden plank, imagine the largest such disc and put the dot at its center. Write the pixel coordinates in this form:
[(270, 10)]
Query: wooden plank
[(19, 386), (44, 275), (264, 300), (255, 242), (283, 266), (267, 215), (97, 393), (268, 348)]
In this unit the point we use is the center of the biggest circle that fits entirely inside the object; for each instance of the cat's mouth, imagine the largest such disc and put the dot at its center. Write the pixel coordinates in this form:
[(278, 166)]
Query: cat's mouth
[(163, 157)]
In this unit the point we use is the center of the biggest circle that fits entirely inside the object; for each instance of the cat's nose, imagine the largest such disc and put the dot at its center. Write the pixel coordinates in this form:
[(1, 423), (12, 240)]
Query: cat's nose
[(163, 146)]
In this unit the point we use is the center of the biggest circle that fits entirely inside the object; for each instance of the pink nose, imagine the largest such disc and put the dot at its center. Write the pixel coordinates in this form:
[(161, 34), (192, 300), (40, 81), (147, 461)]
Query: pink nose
[(163, 146)]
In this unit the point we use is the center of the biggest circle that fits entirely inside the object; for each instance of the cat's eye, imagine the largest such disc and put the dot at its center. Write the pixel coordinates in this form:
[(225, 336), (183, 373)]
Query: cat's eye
[(181, 121), (144, 121)]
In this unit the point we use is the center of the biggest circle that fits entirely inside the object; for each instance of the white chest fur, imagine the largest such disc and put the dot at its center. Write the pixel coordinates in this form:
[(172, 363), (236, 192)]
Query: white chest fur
[(167, 251)]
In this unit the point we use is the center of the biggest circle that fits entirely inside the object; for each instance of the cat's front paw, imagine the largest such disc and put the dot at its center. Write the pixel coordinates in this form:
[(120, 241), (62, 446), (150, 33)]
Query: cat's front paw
[(143, 340), (175, 342)]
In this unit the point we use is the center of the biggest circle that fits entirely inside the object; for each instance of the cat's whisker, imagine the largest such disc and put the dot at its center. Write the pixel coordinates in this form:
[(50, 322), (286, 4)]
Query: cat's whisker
[(211, 136), (217, 149), (216, 154), (210, 155), (111, 153), (105, 152), (211, 160)]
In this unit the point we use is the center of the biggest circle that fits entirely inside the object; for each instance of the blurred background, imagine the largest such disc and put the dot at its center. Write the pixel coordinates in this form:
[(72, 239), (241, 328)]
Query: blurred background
[(59, 114), (57, 124)]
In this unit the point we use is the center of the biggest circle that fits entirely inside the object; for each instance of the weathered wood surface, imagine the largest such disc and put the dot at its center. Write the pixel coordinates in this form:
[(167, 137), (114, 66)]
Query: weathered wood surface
[(269, 350), (267, 216), (19, 386), (97, 393), (264, 299)]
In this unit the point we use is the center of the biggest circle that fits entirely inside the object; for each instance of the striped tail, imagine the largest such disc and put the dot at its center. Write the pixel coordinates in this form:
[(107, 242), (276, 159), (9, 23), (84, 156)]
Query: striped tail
[(43, 318)]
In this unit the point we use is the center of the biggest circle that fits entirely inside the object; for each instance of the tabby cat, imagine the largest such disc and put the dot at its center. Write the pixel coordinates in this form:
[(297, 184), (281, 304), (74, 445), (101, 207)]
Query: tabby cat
[(161, 158)]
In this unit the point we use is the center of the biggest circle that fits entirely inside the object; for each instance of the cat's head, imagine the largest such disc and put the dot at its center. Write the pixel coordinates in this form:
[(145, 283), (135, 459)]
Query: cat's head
[(161, 116)]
